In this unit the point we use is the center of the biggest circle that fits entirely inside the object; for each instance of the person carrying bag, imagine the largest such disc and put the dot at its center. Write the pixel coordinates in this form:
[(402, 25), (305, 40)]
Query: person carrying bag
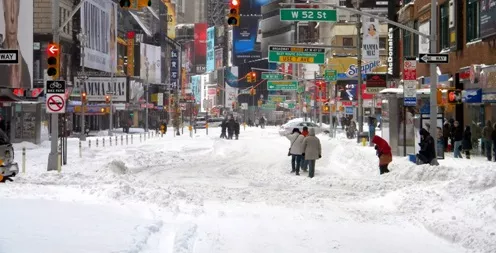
[(296, 150)]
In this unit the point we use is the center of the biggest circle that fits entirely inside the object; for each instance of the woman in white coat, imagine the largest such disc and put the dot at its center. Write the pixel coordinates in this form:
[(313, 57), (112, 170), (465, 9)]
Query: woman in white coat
[(312, 150), (296, 150)]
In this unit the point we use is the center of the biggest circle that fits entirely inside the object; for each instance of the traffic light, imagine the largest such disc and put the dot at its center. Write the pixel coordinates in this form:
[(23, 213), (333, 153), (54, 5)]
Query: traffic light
[(83, 97), (135, 4), (439, 95), (125, 3), (248, 78), (102, 110), (233, 17), (218, 92), (107, 99), (253, 91), (253, 76), (53, 61), (454, 96)]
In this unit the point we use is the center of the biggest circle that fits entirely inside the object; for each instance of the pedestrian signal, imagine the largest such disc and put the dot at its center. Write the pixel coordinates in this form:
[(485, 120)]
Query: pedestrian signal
[(454, 96)]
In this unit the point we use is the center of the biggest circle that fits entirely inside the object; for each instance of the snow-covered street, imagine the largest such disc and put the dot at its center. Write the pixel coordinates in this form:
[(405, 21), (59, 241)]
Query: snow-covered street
[(209, 195)]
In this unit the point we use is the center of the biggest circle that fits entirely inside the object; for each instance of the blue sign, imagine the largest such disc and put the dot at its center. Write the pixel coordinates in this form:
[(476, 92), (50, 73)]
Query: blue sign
[(196, 87), (348, 110), (410, 101), (472, 96), (247, 40), (174, 67), (210, 49)]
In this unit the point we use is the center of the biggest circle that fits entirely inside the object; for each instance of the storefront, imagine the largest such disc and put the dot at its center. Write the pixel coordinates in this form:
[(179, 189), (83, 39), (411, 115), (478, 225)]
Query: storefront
[(473, 106)]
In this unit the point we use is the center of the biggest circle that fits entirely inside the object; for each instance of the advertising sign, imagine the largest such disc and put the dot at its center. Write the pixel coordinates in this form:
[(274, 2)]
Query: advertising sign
[(200, 48), (346, 90), (195, 87), (99, 23), (150, 63), (487, 18), (320, 91), (370, 44), (252, 6), (375, 83), (219, 61), (410, 82), (171, 18), (174, 69), (231, 84), (211, 49), (97, 88), (346, 67), (18, 18), (424, 44), (130, 53), (246, 46)]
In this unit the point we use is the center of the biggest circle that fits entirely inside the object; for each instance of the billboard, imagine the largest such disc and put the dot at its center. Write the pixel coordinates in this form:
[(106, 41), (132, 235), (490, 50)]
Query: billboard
[(231, 86), (246, 41), (195, 87), (150, 63), (171, 19), (210, 49), (370, 43), (200, 47), (487, 18), (99, 23), (187, 59), (17, 33), (219, 58), (96, 88)]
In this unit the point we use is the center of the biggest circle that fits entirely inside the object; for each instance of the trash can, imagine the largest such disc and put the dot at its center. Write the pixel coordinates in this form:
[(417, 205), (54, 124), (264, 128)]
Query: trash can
[(412, 158)]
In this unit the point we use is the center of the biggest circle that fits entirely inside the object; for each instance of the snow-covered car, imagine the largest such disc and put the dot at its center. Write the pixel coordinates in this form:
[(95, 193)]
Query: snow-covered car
[(215, 122), (288, 127)]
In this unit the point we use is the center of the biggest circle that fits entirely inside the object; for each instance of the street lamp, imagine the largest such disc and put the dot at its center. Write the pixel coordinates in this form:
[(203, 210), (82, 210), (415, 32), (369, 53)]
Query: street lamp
[(83, 39)]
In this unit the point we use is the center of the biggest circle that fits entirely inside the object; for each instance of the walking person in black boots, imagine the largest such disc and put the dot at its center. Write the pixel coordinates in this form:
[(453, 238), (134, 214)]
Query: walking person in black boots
[(467, 141), (223, 126), (236, 129), (230, 128)]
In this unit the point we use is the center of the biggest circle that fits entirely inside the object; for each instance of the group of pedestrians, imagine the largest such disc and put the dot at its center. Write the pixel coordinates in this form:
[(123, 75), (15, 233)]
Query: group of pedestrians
[(230, 126), (305, 150)]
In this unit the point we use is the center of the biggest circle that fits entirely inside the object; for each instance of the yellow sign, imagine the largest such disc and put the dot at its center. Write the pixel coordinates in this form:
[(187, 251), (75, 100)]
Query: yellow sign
[(171, 18), (348, 66), (130, 56), (296, 59)]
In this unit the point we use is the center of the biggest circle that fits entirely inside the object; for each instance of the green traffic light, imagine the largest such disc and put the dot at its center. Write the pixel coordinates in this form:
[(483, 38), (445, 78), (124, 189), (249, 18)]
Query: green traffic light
[(125, 3), (149, 2)]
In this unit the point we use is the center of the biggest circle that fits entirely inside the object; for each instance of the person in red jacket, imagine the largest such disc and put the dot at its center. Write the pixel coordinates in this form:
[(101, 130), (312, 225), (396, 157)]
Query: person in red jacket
[(383, 152)]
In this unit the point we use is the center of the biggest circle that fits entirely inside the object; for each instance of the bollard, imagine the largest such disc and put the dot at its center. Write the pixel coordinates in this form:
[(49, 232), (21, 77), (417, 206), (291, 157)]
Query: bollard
[(89, 143), (110, 141), (23, 160), (59, 161), (140, 137), (80, 150), (122, 140), (97, 143), (132, 138), (116, 141), (103, 142), (363, 142), (127, 139)]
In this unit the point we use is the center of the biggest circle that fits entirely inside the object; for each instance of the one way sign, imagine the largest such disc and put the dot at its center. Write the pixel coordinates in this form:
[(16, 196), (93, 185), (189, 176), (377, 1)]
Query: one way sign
[(433, 58)]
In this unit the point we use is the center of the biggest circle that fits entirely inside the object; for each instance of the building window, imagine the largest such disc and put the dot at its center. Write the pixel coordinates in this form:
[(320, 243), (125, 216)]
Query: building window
[(348, 42), (382, 43), (416, 38), (473, 21), (443, 26), (407, 43)]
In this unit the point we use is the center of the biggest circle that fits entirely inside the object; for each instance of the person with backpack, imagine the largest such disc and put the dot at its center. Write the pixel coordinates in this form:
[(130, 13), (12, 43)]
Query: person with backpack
[(295, 150)]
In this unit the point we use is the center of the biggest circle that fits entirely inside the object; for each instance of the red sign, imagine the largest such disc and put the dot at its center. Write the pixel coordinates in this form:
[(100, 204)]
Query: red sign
[(19, 92), (53, 49), (410, 70), (320, 91), (55, 103)]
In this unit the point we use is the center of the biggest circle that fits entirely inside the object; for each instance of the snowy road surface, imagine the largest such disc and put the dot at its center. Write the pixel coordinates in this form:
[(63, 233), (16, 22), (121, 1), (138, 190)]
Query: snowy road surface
[(204, 194)]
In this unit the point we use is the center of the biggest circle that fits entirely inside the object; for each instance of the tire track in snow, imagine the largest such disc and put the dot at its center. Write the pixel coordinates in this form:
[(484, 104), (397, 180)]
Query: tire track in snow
[(185, 239)]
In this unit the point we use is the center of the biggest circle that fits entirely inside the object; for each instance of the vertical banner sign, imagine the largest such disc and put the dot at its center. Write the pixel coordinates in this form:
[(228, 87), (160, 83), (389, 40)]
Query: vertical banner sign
[(200, 47), (211, 49), (174, 74), (171, 19), (370, 45), (410, 82), (424, 43), (130, 53)]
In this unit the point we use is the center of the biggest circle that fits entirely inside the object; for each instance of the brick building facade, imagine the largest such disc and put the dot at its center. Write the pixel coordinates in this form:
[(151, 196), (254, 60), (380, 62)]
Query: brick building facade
[(459, 35)]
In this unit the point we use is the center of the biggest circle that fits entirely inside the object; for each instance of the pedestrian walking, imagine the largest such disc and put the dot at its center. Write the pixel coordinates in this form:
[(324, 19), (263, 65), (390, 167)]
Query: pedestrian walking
[(295, 150), (312, 151)]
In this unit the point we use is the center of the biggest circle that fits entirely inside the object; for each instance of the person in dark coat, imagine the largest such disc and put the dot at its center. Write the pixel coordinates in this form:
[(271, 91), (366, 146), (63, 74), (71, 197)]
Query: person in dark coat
[(446, 135), (383, 151), (230, 128), (457, 137), (427, 148), (467, 141), (223, 127), (236, 129)]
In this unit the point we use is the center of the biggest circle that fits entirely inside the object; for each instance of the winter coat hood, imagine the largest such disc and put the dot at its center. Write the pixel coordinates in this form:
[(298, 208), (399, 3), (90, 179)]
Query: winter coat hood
[(311, 132), (424, 132), (382, 145)]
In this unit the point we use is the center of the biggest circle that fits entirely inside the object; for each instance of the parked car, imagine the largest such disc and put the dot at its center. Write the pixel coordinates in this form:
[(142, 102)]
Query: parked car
[(288, 127)]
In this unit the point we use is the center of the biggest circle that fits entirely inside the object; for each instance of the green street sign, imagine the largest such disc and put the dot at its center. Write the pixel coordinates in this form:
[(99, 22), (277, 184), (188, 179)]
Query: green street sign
[(282, 85), (301, 89), (331, 75), (291, 105), (277, 98), (314, 15), (272, 76), (269, 106), (296, 54)]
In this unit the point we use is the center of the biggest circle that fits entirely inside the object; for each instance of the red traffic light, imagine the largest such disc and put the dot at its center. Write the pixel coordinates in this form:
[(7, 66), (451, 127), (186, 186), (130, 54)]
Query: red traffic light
[(234, 2), (253, 74), (53, 49)]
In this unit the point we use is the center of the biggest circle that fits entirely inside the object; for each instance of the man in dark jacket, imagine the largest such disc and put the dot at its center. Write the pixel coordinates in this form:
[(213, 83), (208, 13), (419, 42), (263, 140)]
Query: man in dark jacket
[(223, 127), (427, 148), (487, 139), (230, 128), (236, 129)]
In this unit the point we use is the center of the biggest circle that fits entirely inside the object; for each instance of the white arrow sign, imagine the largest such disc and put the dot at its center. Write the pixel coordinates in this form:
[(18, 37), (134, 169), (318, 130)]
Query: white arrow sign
[(53, 49), (434, 58)]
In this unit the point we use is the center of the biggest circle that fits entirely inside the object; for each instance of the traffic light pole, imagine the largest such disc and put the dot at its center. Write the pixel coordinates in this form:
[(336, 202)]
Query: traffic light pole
[(111, 111), (82, 87), (433, 69), (54, 118)]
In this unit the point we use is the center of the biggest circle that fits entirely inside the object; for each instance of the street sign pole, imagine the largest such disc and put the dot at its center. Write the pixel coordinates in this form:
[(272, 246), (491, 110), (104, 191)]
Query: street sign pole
[(54, 118), (433, 69), (360, 81)]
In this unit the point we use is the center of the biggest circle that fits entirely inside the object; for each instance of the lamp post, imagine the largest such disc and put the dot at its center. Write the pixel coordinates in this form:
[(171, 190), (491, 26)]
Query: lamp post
[(83, 38)]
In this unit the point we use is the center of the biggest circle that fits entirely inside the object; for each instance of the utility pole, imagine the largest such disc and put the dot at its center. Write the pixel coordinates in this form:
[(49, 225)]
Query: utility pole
[(147, 64), (359, 66), (54, 118), (433, 69), (83, 38), (112, 93)]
